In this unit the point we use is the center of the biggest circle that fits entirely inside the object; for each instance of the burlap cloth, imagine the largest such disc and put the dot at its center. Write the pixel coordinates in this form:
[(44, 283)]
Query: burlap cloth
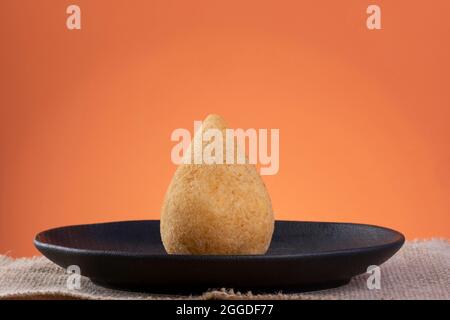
[(420, 270)]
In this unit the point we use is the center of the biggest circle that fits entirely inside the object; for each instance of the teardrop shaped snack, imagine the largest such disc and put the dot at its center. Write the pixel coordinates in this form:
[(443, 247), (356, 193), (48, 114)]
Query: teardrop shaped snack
[(216, 209)]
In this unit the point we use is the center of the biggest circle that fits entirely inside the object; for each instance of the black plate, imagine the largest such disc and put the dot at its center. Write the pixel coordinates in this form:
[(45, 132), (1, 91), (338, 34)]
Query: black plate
[(302, 256)]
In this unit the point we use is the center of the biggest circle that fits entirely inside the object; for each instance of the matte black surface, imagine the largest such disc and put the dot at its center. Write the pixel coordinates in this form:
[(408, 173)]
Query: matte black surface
[(302, 256)]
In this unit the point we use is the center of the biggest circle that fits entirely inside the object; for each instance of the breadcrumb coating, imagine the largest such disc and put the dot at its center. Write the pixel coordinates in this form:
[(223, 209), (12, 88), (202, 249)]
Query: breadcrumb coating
[(216, 209)]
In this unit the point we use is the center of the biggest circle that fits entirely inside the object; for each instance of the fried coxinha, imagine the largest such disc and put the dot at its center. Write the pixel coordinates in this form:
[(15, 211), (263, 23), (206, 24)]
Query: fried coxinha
[(216, 209)]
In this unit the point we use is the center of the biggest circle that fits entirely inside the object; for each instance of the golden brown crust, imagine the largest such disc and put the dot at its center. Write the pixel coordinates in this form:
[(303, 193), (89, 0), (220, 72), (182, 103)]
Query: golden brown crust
[(216, 209)]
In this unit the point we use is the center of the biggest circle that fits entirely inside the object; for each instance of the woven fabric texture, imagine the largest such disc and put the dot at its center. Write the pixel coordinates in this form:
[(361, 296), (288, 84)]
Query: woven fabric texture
[(420, 270)]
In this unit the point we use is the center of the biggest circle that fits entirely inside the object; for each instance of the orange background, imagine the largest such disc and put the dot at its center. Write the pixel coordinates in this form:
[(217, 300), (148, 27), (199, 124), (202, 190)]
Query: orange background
[(86, 116)]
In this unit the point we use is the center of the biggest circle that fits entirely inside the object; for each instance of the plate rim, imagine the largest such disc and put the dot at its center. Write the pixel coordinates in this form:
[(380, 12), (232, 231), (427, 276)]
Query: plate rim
[(180, 257)]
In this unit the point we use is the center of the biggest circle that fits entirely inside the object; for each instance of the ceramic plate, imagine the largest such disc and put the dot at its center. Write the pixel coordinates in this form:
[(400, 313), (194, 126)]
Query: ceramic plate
[(303, 256)]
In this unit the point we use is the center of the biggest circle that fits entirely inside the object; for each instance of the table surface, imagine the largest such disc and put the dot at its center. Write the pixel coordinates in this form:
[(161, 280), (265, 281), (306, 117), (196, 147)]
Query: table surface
[(420, 270)]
